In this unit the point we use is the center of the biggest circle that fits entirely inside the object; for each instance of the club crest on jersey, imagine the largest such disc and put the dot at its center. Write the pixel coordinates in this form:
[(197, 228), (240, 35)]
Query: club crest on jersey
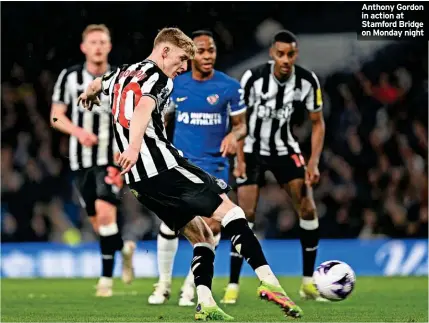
[(213, 99), (221, 183)]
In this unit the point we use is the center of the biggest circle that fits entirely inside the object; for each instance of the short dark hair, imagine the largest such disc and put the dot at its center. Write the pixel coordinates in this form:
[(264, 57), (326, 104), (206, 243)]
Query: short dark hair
[(201, 32), (285, 36)]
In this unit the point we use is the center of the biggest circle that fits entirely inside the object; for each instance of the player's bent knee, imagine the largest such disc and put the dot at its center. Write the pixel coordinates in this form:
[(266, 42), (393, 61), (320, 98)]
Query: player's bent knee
[(233, 214), (308, 211), (105, 212), (223, 209)]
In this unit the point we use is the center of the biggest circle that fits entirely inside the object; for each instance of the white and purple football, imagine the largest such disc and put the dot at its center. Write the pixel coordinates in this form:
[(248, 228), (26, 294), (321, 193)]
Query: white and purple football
[(335, 280)]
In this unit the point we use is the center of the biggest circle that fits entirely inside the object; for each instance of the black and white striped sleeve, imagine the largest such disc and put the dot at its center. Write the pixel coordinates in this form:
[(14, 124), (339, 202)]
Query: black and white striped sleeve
[(156, 86), (107, 81), (61, 93), (314, 101), (246, 83)]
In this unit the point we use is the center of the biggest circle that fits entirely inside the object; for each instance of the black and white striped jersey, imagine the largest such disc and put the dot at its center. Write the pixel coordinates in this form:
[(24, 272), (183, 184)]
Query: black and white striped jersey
[(70, 84), (125, 87), (271, 105)]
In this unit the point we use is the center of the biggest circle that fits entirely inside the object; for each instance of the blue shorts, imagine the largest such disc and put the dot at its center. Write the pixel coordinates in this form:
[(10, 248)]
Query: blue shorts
[(218, 170)]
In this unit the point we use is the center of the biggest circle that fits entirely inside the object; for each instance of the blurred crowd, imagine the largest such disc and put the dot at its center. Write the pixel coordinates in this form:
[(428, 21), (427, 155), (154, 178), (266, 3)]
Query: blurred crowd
[(373, 168)]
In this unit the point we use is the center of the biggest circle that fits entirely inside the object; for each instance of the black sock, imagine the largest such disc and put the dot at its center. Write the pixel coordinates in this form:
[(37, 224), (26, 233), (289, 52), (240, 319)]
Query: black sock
[(309, 243), (109, 245), (203, 266), (236, 264), (246, 243)]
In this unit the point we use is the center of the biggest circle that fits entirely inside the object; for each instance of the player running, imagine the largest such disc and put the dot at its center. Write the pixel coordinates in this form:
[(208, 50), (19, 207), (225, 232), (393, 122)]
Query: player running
[(272, 92), (204, 100), (165, 182), (91, 149)]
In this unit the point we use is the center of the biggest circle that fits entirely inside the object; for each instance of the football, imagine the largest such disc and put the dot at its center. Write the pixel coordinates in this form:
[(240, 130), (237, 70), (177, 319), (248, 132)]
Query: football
[(335, 280)]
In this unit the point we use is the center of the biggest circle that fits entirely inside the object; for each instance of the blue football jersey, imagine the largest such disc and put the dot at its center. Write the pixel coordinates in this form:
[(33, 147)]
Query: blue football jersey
[(202, 112)]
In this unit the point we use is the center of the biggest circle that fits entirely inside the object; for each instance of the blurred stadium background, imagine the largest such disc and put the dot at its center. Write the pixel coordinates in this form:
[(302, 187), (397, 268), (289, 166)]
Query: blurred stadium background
[(373, 188)]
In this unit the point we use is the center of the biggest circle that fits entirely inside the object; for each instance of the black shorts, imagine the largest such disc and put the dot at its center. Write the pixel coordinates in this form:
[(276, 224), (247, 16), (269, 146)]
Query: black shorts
[(91, 186), (179, 194), (284, 168)]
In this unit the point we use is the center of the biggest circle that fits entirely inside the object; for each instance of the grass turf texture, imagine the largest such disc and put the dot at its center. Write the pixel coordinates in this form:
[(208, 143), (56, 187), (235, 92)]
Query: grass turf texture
[(375, 299)]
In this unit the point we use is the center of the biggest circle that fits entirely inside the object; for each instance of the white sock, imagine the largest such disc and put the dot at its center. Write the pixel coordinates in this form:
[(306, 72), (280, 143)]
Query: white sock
[(205, 296), (167, 249), (307, 280), (265, 274), (233, 286)]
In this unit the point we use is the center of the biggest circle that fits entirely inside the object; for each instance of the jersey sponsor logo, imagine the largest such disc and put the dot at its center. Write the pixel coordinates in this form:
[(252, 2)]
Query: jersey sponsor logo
[(181, 99), (213, 99), (264, 112), (319, 100), (199, 119)]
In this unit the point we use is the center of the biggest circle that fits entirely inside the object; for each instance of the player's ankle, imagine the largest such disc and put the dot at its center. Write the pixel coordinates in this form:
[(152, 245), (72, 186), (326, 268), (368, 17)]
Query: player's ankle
[(205, 296), (233, 286), (105, 281), (266, 275), (307, 280), (165, 281)]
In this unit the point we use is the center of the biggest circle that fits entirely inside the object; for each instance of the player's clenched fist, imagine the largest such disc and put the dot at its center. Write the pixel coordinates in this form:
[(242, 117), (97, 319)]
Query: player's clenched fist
[(312, 174), (128, 159), (86, 138), (88, 101)]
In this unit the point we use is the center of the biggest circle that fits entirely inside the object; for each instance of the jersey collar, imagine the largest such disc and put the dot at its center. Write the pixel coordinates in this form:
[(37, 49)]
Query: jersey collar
[(275, 78)]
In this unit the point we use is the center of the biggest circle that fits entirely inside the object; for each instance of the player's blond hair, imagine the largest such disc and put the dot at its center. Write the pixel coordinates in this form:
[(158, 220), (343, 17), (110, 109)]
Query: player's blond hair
[(95, 27), (177, 38)]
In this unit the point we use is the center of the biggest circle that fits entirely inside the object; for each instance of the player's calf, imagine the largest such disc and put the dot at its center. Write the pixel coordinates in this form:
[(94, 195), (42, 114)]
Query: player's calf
[(187, 290), (202, 266), (110, 242), (309, 237)]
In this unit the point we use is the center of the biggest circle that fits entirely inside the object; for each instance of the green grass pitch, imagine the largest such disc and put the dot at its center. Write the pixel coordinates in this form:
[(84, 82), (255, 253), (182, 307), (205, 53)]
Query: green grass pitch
[(375, 299)]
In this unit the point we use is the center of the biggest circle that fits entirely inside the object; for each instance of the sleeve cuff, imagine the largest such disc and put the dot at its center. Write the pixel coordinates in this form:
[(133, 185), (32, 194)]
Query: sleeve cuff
[(153, 97), (237, 112)]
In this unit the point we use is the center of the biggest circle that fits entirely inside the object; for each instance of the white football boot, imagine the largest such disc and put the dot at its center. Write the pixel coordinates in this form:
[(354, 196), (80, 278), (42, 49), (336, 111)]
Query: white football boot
[(127, 261), (161, 293), (104, 287), (187, 295)]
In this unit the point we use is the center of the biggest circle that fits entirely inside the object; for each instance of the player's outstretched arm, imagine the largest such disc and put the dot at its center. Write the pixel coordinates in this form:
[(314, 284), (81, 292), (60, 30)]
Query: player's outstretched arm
[(138, 124)]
